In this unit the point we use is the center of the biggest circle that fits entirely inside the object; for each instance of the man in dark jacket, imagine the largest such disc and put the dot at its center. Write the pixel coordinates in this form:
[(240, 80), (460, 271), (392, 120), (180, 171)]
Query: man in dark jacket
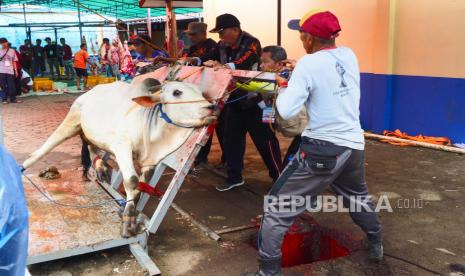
[(67, 59), (26, 56), (51, 52), (201, 46), (240, 50), (39, 59)]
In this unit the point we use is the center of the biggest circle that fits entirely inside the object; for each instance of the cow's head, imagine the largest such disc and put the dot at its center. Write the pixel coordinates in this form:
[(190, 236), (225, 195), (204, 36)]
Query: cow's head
[(182, 102)]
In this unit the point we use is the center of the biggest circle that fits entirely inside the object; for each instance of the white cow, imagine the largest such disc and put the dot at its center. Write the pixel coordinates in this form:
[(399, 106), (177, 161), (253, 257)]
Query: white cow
[(109, 119)]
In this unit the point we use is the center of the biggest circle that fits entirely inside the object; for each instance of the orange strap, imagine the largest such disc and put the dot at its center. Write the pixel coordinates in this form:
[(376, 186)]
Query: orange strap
[(420, 138)]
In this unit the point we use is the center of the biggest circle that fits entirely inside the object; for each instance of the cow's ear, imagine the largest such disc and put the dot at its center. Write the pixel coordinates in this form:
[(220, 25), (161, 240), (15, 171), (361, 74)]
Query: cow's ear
[(148, 101)]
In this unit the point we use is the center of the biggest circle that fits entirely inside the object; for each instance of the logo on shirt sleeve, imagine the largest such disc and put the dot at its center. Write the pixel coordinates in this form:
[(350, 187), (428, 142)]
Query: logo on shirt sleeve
[(341, 71)]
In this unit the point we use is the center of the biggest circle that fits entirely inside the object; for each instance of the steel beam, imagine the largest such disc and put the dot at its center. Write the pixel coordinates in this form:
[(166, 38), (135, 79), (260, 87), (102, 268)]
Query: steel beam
[(80, 23)]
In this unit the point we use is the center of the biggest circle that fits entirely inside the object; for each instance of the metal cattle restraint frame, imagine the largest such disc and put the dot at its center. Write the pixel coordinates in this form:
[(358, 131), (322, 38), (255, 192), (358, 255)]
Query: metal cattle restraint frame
[(214, 83)]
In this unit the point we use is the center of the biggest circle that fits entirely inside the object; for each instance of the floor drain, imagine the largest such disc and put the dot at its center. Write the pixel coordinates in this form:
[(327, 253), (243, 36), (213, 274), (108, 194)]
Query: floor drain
[(307, 242)]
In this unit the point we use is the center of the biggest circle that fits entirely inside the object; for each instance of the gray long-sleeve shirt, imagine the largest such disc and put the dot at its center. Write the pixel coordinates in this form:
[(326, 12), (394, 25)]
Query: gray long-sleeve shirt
[(328, 83)]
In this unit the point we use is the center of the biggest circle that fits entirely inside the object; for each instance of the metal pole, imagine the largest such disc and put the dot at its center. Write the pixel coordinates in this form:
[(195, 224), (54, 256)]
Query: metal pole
[(149, 23), (171, 30), (279, 23), (79, 19), (129, 31), (25, 22), (56, 36)]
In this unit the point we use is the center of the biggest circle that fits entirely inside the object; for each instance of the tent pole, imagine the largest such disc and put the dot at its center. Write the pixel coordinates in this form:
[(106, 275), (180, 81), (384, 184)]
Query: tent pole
[(171, 30), (149, 23), (129, 30), (279, 23), (79, 18), (25, 21)]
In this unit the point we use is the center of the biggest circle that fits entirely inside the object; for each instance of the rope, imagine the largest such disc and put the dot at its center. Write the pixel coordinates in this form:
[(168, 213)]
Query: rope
[(444, 141), (191, 74), (412, 263), (219, 98)]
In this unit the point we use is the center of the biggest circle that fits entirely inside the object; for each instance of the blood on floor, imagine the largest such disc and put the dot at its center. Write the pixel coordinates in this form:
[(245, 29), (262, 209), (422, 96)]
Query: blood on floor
[(306, 242)]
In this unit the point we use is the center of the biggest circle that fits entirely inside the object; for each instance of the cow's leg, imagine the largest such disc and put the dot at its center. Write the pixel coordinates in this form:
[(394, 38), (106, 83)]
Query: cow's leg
[(123, 154), (147, 173), (102, 170), (70, 127)]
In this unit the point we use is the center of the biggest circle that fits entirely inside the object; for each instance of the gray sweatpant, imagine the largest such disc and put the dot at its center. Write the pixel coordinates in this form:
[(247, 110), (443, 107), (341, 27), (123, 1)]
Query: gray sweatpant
[(303, 177)]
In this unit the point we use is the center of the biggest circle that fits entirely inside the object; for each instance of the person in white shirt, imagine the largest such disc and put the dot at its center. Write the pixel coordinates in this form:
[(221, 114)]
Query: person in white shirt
[(327, 82), (8, 72)]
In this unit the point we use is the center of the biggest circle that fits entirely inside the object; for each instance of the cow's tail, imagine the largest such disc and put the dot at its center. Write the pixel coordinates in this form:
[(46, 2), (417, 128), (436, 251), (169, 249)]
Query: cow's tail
[(70, 127)]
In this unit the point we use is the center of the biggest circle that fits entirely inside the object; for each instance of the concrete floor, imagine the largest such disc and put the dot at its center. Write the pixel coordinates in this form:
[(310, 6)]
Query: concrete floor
[(431, 236)]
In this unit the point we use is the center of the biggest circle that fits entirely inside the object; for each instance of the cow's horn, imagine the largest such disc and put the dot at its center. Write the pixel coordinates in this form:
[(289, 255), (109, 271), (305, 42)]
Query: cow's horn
[(155, 88)]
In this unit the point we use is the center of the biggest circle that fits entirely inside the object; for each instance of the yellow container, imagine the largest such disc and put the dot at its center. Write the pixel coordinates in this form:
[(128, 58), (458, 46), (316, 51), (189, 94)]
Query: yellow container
[(40, 79), (92, 82), (43, 85), (106, 80), (93, 77)]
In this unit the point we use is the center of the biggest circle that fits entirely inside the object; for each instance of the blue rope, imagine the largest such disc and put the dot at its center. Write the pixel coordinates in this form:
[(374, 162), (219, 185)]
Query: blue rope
[(165, 117)]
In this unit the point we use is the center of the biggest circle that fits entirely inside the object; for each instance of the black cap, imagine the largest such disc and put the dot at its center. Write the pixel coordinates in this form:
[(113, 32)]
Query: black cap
[(225, 21), (3, 40)]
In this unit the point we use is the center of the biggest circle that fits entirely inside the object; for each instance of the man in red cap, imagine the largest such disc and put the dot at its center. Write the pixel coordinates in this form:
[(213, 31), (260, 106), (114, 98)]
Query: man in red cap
[(327, 82)]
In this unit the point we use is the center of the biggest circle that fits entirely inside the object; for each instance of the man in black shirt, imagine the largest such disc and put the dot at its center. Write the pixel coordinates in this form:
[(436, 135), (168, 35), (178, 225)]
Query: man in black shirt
[(201, 45), (26, 56), (240, 50), (38, 59), (51, 53)]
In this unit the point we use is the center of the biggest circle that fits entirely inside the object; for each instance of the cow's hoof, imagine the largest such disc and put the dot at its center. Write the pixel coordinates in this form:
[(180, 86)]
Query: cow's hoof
[(92, 174), (107, 175), (133, 228), (104, 176)]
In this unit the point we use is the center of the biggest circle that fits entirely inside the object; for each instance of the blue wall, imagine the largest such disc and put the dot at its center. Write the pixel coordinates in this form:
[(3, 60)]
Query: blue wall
[(417, 105)]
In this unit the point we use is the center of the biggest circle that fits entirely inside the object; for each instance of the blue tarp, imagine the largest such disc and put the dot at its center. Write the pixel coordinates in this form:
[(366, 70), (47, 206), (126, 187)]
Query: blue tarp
[(13, 218)]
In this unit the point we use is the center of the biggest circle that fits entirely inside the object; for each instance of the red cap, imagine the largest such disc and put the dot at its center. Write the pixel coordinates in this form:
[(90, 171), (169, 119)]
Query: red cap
[(320, 24)]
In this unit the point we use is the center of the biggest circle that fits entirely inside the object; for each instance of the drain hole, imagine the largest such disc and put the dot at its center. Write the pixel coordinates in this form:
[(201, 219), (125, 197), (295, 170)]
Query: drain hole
[(307, 242)]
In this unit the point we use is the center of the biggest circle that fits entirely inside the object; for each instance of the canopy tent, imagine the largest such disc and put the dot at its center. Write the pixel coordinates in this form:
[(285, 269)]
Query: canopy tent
[(120, 9), (44, 17), (42, 22)]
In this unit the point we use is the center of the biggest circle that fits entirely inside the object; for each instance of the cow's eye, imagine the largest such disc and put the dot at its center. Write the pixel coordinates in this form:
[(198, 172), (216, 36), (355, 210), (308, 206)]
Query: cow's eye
[(177, 93)]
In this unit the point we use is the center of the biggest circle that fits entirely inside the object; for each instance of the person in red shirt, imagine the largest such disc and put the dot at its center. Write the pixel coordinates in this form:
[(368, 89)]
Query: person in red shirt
[(67, 59), (18, 64)]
